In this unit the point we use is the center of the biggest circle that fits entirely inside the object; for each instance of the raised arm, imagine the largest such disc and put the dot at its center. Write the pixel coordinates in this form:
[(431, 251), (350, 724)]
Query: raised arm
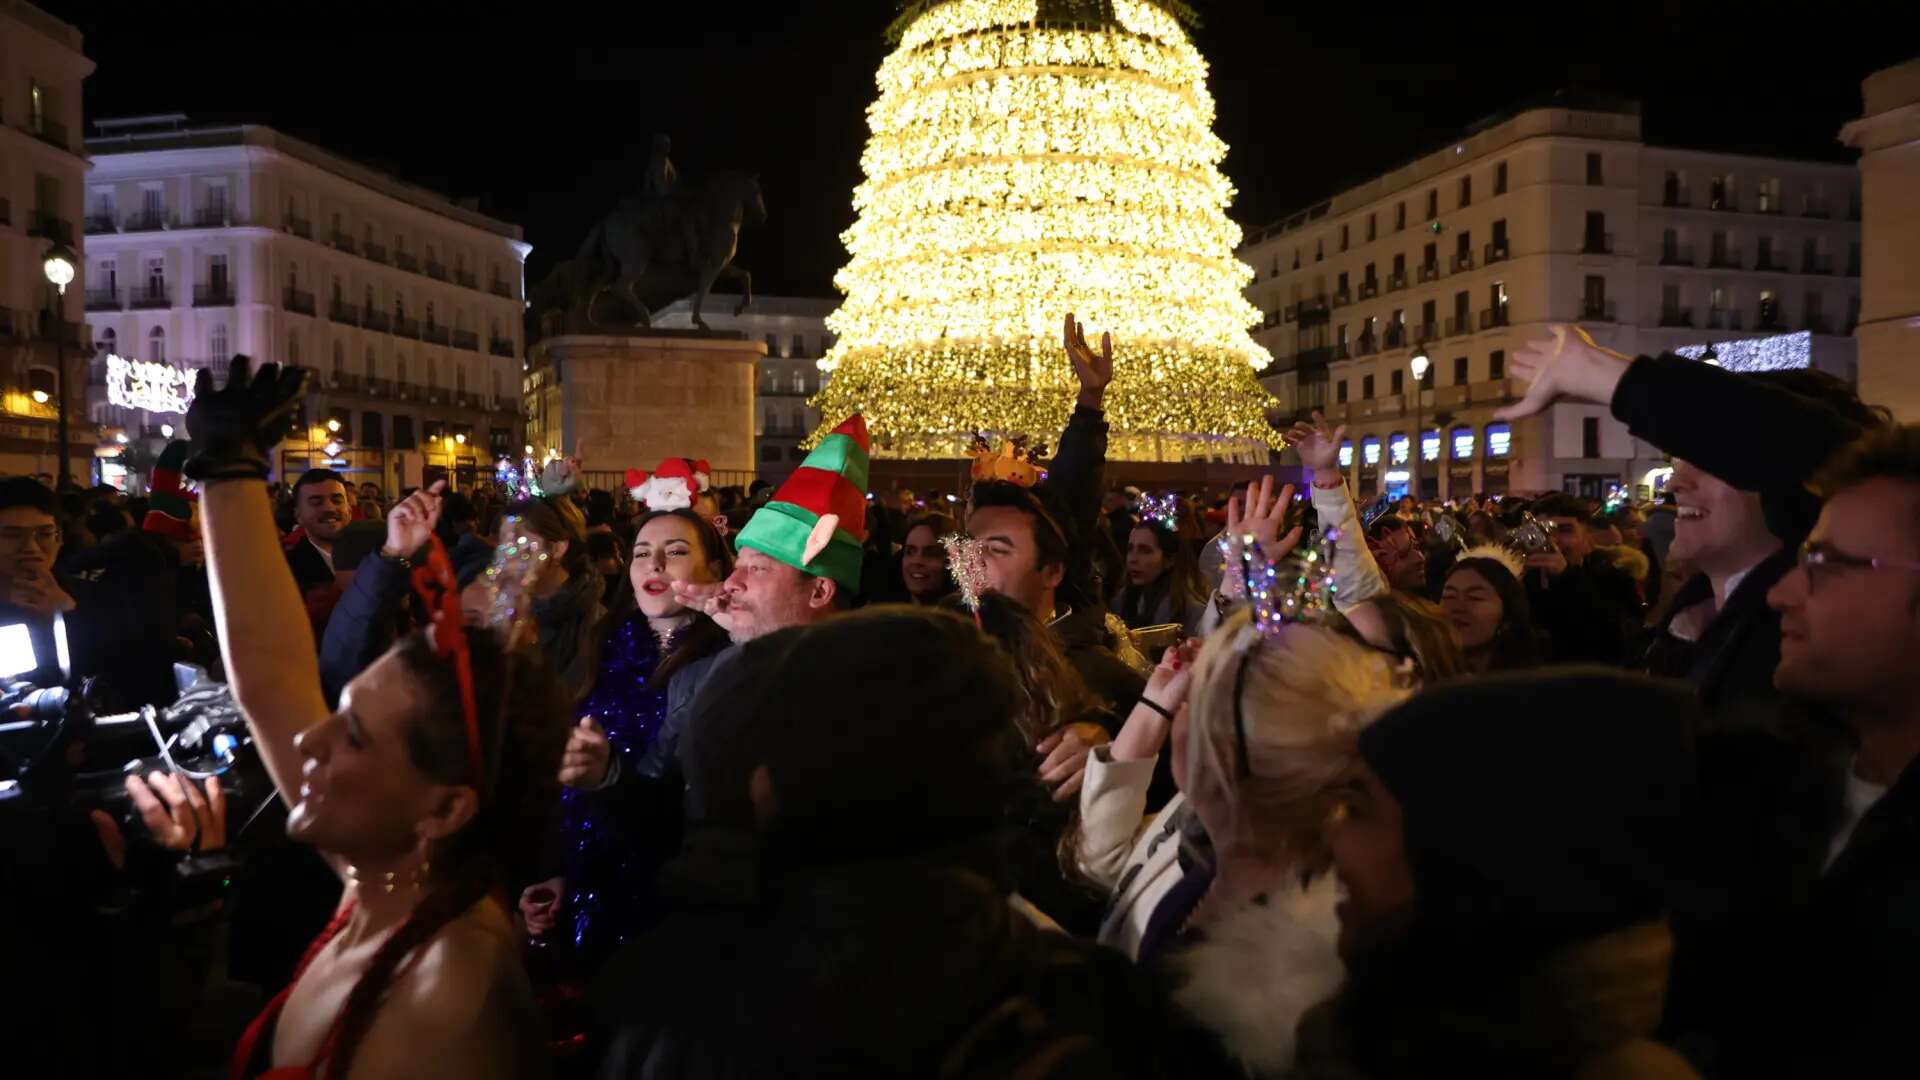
[(1079, 462), (1356, 576), (359, 629), (265, 638)]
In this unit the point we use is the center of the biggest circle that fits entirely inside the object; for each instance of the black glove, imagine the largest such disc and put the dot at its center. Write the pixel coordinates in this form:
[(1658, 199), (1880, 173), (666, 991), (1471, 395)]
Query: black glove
[(234, 428)]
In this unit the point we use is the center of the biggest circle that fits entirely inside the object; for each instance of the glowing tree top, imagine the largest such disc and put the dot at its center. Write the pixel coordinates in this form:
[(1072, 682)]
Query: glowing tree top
[(1031, 158)]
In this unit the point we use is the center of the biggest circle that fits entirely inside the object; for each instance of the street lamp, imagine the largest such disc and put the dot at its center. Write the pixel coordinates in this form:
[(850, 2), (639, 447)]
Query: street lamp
[(333, 424), (59, 264), (1419, 364)]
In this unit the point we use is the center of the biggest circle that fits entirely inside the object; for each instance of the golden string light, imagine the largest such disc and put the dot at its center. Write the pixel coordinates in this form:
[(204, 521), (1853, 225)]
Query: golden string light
[(1017, 170)]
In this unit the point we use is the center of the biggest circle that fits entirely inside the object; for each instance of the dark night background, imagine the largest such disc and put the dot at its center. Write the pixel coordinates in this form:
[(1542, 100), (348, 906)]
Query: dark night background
[(544, 109)]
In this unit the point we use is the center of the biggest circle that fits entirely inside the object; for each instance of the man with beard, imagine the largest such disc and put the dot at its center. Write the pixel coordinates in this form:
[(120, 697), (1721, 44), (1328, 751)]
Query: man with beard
[(320, 511)]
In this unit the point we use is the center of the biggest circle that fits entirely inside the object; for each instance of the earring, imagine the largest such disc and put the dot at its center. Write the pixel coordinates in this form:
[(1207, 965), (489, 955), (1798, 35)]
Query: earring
[(421, 873)]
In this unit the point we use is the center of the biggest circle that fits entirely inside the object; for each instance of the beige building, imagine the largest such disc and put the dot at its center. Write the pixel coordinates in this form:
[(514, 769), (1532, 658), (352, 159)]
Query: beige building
[(1888, 138), (1550, 214), (206, 241), (42, 171)]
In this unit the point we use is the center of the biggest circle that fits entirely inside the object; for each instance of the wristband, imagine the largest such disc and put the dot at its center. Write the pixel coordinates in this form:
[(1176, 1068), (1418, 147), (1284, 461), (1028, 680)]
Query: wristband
[(1155, 706)]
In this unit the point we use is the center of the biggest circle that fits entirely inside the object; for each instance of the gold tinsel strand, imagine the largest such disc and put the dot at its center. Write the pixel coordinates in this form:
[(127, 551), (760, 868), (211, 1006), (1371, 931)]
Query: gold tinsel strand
[(1016, 172)]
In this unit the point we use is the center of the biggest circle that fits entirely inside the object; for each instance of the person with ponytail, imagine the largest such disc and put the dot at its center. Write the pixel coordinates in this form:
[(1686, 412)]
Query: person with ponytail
[(426, 791)]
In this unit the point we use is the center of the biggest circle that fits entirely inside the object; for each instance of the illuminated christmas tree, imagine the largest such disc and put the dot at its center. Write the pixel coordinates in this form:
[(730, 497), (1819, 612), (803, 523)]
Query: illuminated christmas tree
[(1030, 158)]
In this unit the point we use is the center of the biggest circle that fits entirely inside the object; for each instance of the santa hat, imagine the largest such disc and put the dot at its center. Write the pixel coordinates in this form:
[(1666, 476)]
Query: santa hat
[(672, 486), (818, 519), (170, 507)]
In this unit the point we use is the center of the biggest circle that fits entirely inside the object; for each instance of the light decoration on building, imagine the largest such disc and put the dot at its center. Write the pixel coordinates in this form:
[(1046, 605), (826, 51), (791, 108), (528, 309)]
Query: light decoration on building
[(140, 384), (1430, 445), (1370, 450), (1462, 443), (1779, 352), (1397, 449), (1499, 440), (1023, 165), (1346, 453)]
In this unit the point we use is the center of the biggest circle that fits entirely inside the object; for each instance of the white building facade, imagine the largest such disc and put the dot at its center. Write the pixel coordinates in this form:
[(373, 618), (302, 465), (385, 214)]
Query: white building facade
[(1557, 214), (204, 242), (1888, 138), (795, 331), (42, 171)]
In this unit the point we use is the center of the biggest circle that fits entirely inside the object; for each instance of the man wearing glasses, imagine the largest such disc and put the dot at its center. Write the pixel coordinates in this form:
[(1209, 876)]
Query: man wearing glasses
[(29, 544)]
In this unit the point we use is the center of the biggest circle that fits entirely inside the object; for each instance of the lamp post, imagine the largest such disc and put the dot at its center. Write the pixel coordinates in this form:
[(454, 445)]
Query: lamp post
[(1419, 363), (59, 264)]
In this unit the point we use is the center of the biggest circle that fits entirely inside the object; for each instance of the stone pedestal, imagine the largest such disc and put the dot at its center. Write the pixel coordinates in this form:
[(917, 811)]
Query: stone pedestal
[(622, 401)]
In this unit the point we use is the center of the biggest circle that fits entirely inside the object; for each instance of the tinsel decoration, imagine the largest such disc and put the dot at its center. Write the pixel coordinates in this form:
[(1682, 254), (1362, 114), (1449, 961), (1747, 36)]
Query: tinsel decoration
[(1162, 510), (517, 563), (518, 481), (967, 562), (1295, 589)]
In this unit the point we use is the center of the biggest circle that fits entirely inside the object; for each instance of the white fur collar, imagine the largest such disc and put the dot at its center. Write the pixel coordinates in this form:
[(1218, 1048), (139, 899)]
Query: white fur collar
[(1256, 971)]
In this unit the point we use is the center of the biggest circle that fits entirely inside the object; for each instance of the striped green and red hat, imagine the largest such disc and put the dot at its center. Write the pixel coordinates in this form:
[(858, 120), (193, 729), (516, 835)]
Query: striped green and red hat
[(169, 505), (817, 521)]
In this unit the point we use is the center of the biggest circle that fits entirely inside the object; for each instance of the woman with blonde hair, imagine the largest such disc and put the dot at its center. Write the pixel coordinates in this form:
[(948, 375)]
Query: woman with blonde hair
[(1228, 887)]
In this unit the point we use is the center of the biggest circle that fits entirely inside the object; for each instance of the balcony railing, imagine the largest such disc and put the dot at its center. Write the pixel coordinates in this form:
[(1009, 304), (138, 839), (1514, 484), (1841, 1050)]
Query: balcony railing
[(1771, 262), (108, 299), (344, 313), (1395, 336), (1343, 351), (1767, 204), (1676, 198), (434, 334), (151, 297), (406, 260), (1722, 320), (146, 221), (500, 288), (1459, 324), (407, 328), (500, 346), (1597, 243), (1341, 298), (437, 271), (1726, 203), (343, 241), (1724, 259), (298, 226), (214, 294), (1369, 289), (467, 339), (1493, 316), (1817, 264), (295, 300), (45, 225), (1676, 255), (1366, 345), (1428, 272), (1425, 332), (372, 319), (1460, 262), (371, 250), (463, 278), (1821, 209), (97, 224), (340, 380), (1396, 281), (212, 217), (1817, 324), (1314, 307), (1676, 316), (1597, 311), (1495, 253)]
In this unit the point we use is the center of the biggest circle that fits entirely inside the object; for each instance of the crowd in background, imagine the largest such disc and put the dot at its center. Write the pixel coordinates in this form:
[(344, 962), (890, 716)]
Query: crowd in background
[(1037, 780)]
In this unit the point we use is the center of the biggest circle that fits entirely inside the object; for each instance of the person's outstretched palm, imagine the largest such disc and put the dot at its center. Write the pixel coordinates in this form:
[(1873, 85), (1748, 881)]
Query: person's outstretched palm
[(1093, 369), (234, 427), (1567, 366), (1318, 447)]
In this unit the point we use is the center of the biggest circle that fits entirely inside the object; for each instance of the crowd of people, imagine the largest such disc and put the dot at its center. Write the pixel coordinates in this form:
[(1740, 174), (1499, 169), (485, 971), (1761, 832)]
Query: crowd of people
[(1059, 778)]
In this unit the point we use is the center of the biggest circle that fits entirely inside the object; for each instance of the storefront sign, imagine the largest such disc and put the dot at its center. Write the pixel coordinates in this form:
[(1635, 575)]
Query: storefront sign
[(155, 388)]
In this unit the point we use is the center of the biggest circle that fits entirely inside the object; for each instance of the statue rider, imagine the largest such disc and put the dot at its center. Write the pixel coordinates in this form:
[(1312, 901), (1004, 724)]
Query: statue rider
[(660, 181)]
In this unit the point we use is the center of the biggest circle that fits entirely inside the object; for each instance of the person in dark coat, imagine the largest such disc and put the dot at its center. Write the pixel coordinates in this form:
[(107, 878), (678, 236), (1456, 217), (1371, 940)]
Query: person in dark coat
[(1587, 607), (1510, 870), (846, 913)]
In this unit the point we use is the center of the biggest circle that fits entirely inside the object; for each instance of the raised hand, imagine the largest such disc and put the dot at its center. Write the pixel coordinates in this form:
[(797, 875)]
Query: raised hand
[(411, 521), (584, 763), (709, 599), (1093, 369), (234, 427), (1567, 366), (1318, 447)]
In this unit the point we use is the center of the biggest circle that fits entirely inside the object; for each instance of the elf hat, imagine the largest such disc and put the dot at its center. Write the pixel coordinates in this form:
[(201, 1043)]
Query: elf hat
[(672, 486), (818, 519), (169, 508)]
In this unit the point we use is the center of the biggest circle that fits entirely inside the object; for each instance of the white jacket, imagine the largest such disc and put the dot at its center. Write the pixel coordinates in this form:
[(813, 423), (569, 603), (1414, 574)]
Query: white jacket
[(1136, 858)]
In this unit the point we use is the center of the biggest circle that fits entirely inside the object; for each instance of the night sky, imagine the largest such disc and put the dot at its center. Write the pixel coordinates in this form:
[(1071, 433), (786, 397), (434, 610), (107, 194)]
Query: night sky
[(544, 109)]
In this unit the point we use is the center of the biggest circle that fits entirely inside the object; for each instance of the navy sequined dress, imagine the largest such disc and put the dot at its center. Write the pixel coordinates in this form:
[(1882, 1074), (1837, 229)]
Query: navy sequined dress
[(608, 857)]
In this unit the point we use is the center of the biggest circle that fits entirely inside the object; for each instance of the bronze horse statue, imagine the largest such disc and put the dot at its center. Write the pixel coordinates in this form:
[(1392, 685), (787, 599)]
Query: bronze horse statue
[(656, 251)]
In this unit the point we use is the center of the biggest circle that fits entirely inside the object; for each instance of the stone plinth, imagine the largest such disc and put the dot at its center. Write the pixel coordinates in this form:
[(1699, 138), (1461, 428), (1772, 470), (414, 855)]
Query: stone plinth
[(622, 401)]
